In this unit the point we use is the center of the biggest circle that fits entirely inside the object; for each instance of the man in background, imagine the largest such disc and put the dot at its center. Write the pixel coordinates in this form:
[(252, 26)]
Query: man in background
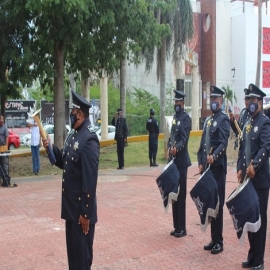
[(153, 129), (121, 133), (35, 144)]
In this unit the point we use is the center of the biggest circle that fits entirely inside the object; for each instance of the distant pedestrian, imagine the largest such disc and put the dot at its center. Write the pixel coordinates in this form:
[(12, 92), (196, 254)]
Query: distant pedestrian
[(35, 144), (153, 129), (121, 133)]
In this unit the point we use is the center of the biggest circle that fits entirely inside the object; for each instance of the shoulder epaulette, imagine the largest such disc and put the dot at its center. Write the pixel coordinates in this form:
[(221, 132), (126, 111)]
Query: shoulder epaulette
[(91, 129)]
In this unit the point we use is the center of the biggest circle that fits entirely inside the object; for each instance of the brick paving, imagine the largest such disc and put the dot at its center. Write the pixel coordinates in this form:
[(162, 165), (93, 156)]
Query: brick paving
[(132, 231)]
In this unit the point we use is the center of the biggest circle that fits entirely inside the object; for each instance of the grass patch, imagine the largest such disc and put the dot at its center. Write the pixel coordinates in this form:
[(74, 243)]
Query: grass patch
[(136, 154)]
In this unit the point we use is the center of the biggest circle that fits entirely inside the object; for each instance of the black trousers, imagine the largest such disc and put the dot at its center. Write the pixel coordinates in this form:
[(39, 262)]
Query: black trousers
[(79, 246), (153, 146), (179, 207), (120, 152), (217, 223), (257, 240)]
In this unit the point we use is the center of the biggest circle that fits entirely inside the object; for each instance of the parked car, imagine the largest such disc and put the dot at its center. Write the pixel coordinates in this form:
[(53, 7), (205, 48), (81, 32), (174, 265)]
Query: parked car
[(13, 140), (111, 132), (49, 129)]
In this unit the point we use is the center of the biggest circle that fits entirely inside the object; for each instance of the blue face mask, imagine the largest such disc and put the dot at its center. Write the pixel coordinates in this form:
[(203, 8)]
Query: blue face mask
[(214, 106), (177, 108), (253, 107), (73, 119)]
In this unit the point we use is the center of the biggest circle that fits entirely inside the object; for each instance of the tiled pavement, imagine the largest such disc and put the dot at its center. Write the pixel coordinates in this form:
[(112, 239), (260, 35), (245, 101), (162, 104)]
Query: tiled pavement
[(132, 231)]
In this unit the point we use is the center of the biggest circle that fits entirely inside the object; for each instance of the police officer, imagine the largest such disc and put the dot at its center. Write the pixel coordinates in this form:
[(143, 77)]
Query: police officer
[(243, 117), (178, 149), (212, 151), (153, 129), (121, 133), (79, 160), (253, 163)]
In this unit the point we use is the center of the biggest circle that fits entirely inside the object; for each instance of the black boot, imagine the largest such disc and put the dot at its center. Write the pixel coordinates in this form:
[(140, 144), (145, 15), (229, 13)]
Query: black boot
[(151, 163), (154, 163)]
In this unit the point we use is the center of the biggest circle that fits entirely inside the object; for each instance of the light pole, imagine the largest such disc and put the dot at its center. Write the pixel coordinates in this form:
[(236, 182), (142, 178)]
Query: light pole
[(233, 70)]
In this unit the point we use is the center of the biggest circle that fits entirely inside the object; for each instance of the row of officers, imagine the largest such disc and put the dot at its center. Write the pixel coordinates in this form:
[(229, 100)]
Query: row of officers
[(253, 130)]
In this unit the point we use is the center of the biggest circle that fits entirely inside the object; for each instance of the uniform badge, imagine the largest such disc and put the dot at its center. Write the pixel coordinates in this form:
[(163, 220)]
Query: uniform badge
[(173, 122), (178, 123), (248, 128), (256, 129), (215, 123), (76, 145), (209, 122)]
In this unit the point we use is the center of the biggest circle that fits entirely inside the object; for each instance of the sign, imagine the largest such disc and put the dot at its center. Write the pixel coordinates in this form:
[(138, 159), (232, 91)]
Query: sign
[(16, 112)]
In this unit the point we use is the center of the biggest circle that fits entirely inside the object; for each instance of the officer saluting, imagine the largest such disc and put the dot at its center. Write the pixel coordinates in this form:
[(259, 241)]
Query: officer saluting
[(79, 160), (153, 129), (212, 151), (253, 162)]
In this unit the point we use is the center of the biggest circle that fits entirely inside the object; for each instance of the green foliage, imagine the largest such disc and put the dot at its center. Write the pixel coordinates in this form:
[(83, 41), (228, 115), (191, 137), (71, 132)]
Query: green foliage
[(228, 96)]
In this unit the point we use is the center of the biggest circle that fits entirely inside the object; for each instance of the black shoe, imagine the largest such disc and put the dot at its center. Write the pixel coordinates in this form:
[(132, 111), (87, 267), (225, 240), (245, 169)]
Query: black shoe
[(173, 232), (155, 165), (259, 267), (180, 233), (119, 168), (217, 248), (247, 264), (209, 246)]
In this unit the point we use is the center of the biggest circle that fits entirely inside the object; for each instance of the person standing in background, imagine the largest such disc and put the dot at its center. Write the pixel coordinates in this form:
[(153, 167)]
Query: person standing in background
[(121, 133), (35, 144), (153, 129)]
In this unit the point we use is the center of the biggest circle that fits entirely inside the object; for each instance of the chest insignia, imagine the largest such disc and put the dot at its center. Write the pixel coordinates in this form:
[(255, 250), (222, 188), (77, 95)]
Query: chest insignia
[(173, 122), (209, 122), (178, 123), (215, 123), (256, 129), (76, 145), (248, 128)]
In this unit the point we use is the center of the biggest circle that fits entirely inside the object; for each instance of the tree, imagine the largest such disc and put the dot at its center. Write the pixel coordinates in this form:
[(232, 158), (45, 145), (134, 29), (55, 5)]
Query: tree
[(179, 17), (228, 96)]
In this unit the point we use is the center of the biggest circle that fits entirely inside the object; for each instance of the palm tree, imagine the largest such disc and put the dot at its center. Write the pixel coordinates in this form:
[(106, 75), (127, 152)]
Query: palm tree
[(228, 96), (179, 17)]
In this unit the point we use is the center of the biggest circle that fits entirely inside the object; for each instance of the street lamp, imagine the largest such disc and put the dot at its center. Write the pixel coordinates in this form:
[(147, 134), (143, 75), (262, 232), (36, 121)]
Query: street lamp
[(233, 70)]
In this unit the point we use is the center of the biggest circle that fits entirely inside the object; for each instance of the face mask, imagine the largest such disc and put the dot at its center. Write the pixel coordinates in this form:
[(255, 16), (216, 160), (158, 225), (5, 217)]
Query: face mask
[(253, 107), (177, 108), (214, 106), (73, 119)]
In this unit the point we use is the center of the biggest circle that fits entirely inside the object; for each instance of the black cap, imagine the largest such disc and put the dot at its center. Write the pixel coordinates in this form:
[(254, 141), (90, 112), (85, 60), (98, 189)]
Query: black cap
[(152, 111), (216, 92), (247, 91), (178, 95), (255, 91), (119, 110), (80, 103)]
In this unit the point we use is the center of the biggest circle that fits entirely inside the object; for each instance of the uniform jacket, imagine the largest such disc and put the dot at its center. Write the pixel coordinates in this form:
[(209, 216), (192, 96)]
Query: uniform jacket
[(121, 130), (79, 160), (218, 125), (180, 131), (243, 118), (152, 126), (258, 132)]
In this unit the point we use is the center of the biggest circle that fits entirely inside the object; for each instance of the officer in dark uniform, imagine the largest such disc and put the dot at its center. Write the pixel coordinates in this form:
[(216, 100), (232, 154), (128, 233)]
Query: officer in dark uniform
[(79, 160), (212, 151), (178, 149), (253, 162), (244, 115), (153, 129), (121, 133)]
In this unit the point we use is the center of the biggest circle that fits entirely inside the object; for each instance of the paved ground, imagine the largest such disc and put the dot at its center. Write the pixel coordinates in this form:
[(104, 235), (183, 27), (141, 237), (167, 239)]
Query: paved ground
[(132, 232)]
